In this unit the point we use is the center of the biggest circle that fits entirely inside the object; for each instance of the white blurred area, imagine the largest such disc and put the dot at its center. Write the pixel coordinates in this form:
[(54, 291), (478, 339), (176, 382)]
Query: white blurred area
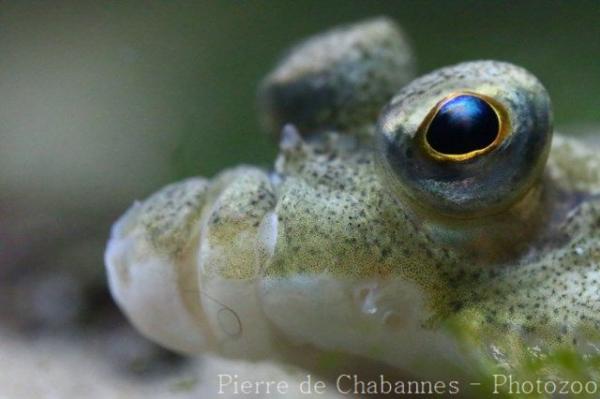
[(53, 368)]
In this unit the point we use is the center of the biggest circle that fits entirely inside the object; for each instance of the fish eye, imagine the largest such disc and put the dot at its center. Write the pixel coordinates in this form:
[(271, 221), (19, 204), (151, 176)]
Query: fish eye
[(463, 126), (468, 140)]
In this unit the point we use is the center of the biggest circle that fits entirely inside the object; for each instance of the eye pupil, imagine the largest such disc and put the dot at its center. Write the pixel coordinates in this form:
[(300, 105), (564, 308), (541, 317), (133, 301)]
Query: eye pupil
[(463, 124)]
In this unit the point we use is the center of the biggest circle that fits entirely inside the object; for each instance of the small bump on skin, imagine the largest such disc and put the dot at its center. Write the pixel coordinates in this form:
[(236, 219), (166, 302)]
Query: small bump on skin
[(267, 233), (290, 139)]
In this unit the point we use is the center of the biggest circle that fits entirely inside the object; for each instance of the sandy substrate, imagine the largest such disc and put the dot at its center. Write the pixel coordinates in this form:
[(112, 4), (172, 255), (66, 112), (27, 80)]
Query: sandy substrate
[(56, 368)]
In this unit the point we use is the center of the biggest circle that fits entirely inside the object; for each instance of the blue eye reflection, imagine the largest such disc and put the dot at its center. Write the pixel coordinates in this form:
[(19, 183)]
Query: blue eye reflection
[(463, 124)]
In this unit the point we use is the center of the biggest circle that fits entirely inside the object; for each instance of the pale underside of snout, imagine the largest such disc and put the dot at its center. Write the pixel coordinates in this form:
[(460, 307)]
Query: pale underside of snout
[(204, 287)]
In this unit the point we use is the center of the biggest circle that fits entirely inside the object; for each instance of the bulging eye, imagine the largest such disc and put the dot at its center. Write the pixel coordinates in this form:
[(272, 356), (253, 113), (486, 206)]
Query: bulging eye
[(467, 140), (463, 126)]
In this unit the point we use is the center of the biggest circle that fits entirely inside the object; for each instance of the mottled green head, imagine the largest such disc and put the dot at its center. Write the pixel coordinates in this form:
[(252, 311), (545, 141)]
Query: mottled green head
[(415, 224)]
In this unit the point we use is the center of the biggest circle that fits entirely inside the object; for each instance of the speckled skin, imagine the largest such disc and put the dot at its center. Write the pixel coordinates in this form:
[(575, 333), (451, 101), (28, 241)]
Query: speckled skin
[(321, 255), (338, 80)]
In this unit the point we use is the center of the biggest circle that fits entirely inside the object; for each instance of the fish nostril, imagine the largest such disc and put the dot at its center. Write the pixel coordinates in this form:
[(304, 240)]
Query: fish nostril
[(230, 322), (463, 124), (366, 297), (394, 319)]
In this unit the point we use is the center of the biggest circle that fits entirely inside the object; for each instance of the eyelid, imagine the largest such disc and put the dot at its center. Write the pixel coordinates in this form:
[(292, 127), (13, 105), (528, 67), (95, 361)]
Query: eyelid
[(504, 129)]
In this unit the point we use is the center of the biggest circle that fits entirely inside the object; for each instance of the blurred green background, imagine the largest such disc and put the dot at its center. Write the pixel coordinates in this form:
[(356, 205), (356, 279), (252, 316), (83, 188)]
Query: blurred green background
[(103, 102)]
